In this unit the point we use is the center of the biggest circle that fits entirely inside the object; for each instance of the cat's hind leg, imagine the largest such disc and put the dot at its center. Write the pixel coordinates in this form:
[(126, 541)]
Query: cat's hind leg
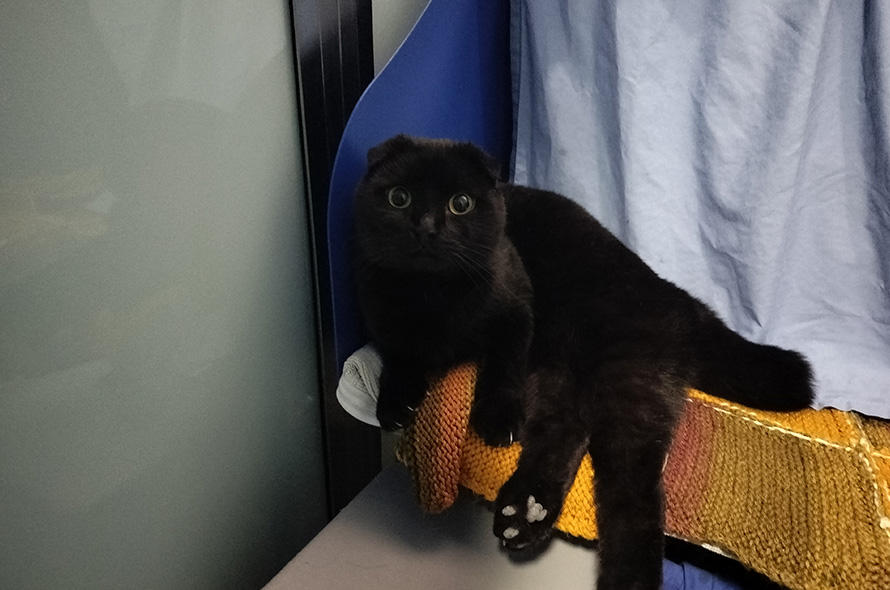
[(633, 426)]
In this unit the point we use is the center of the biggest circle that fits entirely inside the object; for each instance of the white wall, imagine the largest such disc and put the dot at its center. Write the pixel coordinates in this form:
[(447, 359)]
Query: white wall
[(159, 419), (393, 20)]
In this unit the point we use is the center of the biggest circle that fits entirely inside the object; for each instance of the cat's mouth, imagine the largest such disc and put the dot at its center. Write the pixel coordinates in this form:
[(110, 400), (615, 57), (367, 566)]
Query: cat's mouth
[(427, 257), (424, 257), (425, 250)]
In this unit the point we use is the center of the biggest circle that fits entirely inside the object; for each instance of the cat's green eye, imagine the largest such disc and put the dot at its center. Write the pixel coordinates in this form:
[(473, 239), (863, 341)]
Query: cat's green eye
[(399, 197), (461, 204)]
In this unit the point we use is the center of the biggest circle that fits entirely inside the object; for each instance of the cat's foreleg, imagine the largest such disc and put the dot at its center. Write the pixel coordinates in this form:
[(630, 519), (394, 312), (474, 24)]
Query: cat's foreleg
[(532, 499), (403, 386), (497, 413)]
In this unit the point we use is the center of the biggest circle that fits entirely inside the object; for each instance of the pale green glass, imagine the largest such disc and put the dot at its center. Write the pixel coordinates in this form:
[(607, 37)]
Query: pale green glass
[(159, 411)]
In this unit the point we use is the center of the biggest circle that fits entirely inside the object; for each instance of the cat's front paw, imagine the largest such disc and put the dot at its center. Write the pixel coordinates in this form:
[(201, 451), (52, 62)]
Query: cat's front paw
[(524, 520), (395, 416), (401, 393), (497, 419)]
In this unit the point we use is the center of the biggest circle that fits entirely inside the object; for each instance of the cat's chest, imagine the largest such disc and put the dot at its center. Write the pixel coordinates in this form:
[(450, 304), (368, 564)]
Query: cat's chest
[(435, 307), (418, 313)]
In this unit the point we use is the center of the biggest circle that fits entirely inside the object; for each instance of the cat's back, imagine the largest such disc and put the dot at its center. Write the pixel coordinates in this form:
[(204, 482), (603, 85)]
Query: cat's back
[(558, 238), (582, 275)]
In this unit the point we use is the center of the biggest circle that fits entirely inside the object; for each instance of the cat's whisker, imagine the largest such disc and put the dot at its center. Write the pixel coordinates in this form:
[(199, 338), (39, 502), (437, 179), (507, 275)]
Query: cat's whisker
[(484, 268), (466, 267)]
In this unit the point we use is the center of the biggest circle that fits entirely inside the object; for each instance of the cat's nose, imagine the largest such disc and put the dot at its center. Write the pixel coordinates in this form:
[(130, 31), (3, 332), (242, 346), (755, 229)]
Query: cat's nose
[(425, 230)]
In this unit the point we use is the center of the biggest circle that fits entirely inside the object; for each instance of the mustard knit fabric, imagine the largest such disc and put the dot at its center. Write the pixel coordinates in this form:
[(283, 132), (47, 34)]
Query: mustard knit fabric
[(802, 497)]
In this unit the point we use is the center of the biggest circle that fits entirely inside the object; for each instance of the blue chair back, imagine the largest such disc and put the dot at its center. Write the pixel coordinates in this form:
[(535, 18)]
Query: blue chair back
[(449, 79)]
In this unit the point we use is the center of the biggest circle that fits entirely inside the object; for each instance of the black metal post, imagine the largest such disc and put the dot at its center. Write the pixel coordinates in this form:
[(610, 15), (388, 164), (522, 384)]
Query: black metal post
[(334, 60)]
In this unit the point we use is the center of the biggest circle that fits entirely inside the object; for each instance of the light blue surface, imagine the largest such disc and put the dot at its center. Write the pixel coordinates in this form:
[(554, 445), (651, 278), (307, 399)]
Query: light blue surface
[(741, 149)]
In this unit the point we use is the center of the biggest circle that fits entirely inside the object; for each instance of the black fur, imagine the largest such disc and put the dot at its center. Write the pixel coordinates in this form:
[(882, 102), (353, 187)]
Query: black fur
[(582, 347)]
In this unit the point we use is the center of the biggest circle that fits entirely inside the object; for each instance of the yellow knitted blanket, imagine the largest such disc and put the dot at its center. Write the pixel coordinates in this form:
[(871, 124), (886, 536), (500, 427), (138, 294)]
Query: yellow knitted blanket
[(803, 497)]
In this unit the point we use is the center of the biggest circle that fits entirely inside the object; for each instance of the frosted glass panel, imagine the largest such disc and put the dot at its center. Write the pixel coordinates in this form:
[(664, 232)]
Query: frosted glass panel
[(159, 412)]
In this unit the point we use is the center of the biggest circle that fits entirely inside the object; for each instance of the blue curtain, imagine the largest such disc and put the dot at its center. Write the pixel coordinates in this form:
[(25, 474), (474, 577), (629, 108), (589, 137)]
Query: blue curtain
[(740, 147)]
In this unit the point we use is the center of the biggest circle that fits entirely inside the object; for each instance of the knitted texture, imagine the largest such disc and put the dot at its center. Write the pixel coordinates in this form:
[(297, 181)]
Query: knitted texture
[(436, 442), (802, 497)]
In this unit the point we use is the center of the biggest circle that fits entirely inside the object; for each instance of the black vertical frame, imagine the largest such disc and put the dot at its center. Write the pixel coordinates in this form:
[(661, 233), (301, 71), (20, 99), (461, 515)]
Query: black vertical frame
[(333, 43)]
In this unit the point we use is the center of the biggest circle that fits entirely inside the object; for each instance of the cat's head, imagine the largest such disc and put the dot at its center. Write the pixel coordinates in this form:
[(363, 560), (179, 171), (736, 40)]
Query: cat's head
[(429, 205)]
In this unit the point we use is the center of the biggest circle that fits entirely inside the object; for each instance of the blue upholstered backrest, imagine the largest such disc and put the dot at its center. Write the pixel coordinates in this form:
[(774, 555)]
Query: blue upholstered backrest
[(450, 78)]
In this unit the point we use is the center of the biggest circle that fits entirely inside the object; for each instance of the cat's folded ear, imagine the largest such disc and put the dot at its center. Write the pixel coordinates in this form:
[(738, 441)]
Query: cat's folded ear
[(468, 151), (486, 162), (382, 151)]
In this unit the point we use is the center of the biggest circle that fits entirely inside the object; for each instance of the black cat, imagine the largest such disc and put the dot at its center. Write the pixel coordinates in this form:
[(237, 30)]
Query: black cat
[(581, 346)]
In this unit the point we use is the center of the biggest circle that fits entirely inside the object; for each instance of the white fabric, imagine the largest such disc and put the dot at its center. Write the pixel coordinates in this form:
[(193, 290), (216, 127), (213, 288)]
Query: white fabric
[(359, 385)]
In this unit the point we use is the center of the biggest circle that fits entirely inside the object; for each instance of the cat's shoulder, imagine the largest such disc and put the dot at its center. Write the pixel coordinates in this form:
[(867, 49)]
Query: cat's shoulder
[(525, 194), (518, 196), (527, 206)]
